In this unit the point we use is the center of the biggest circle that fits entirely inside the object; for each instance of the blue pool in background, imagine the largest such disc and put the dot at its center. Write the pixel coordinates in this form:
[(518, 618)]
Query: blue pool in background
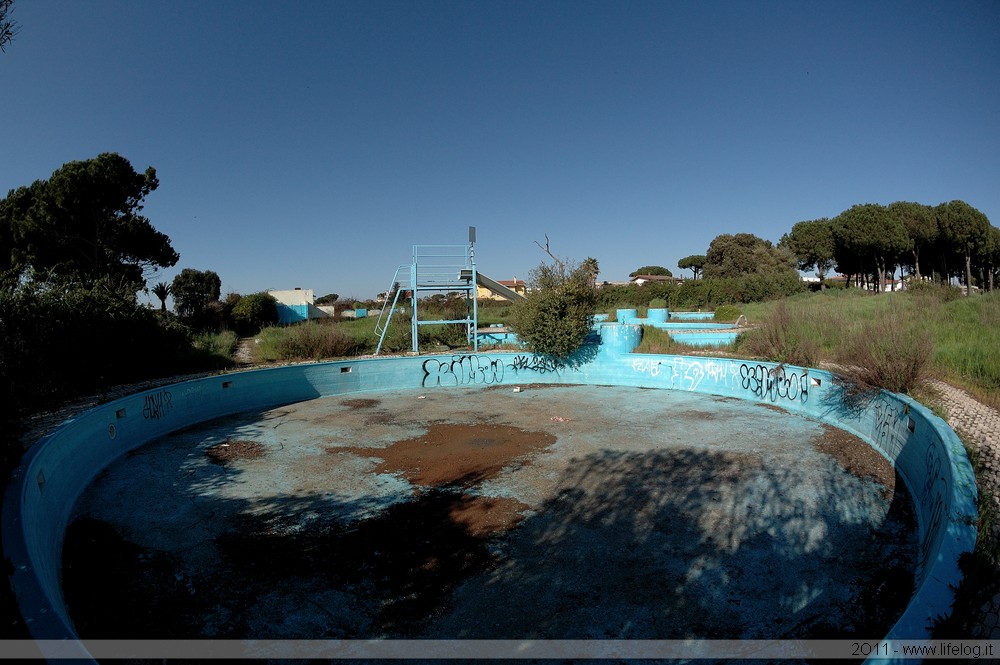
[(692, 316), (704, 338)]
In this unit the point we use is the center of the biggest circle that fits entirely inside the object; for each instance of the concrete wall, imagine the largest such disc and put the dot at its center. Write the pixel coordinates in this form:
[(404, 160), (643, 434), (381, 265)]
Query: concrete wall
[(927, 453), (294, 296), (296, 305)]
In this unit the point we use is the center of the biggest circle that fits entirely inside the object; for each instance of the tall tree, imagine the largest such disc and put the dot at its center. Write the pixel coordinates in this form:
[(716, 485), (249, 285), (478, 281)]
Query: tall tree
[(592, 268), (651, 270), (696, 262), (12, 208), (966, 230), (921, 227), (732, 255), (813, 246), (194, 291), (867, 232), (8, 27), (83, 224), (988, 257), (161, 290)]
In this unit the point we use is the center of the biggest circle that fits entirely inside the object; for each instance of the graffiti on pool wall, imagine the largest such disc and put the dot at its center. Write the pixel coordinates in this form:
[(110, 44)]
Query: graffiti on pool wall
[(774, 383), (646, 366), (466, 370), (932, 495), (157, 405), (534, 364), (887, 421), (462, 371), (688, 374)]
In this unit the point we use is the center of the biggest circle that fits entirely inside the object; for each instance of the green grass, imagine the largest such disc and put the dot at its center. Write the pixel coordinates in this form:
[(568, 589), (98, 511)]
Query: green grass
[(966, 335), (216, 349), (964, 332), (306, 341)]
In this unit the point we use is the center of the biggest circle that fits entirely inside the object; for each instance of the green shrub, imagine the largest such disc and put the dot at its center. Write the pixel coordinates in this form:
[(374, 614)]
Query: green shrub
[(555, 319), (217, 349), (935, 290), (253, 312), (657, 303), (727, 313)]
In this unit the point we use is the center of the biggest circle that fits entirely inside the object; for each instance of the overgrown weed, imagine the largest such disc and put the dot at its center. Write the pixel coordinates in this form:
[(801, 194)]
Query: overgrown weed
[(307, 341), (891, 351), (783, 337), (221, 345)]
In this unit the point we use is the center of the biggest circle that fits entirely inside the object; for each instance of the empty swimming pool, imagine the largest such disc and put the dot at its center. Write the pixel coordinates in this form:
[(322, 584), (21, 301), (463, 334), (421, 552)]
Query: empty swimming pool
[(589, 512)]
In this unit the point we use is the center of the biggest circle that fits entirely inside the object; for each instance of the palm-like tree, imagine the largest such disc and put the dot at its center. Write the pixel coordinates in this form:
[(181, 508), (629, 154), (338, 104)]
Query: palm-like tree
[(592, 268), (161, 290)]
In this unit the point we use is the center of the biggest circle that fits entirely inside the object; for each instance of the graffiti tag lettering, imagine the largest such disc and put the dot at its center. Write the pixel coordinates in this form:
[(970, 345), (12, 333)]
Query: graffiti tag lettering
[(687, 374), (462, 371), (646, 366), (774, 383), (157, 405), (888, 418), (534, 364)]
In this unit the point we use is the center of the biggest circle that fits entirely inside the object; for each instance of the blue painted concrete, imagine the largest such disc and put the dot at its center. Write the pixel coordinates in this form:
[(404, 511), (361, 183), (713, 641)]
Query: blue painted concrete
[(704, 338), (657, 314), (687, 325), (292, 313), (928, 454), (658, 318), (497, 338), (626, 315), (692, 316)]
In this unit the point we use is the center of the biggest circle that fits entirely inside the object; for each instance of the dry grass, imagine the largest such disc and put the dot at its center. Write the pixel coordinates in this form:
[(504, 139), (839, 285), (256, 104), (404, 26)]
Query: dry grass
[(890, 351), (783, 337)]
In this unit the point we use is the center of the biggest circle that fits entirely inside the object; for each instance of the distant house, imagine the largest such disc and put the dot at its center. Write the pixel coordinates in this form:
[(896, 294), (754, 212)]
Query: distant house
[(516, 285), (639, 280), (296, 305)]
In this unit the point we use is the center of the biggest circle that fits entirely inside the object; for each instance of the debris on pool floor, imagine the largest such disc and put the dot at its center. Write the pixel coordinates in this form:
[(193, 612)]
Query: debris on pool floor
[(476, 513)]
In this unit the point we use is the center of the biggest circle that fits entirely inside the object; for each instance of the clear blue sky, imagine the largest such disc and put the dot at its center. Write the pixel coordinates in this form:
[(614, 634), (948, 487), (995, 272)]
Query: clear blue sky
[(311, 144)]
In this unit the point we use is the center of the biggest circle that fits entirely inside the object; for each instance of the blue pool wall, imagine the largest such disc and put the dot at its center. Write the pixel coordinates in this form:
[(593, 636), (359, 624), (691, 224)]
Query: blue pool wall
[(704, 338), (692, 316), (928, 454)]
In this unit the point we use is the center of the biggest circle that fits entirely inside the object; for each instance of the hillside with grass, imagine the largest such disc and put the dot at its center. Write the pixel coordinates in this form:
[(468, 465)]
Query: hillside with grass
[(896, 339)]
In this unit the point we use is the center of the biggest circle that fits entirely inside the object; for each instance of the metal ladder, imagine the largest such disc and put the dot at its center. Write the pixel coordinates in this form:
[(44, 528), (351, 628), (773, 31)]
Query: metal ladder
[(385, 316), (441, 268)]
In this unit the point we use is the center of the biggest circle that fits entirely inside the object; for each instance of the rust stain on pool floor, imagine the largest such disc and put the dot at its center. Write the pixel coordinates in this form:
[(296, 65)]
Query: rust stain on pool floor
[(570, 512), (451, 454)]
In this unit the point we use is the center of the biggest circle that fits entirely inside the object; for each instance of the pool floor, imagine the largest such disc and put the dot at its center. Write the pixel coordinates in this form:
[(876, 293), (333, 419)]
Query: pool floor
[(562, 512)]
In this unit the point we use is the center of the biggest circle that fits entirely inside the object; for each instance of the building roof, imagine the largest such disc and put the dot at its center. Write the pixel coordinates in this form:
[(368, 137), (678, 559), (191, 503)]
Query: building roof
[(652, 278)]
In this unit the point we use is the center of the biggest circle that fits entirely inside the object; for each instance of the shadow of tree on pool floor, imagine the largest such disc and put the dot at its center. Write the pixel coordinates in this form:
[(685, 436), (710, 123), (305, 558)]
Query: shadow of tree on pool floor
[(645, 545)]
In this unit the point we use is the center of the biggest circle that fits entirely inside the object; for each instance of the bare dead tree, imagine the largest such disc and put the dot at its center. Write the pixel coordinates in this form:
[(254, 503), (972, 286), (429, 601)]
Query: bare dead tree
[(8, 27), (546, 249)]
